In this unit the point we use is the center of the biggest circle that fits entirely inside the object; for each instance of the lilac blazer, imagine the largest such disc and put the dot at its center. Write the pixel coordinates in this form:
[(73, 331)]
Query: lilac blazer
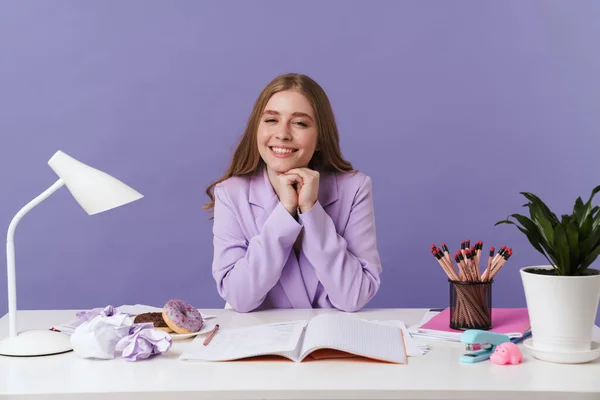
[(255, 265)]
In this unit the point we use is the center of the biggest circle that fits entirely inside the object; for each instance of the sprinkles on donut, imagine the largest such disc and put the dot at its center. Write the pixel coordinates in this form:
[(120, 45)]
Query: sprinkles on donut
[(182, 317)]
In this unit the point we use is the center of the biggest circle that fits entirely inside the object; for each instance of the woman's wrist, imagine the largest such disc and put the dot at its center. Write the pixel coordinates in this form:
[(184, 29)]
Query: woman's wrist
[(306, 208), (293, 210)]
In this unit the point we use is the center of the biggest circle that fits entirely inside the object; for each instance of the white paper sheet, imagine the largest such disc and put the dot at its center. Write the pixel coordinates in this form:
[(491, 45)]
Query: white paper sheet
[(237, 343), (437, 336), (414, 348), (355, 336)]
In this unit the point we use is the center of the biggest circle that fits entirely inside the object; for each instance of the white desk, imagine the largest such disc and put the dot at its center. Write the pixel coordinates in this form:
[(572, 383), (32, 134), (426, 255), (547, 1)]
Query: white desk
[(436, 375)]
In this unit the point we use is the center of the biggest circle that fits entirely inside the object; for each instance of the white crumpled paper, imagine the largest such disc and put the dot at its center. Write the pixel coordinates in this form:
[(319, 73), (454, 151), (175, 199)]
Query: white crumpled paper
[(98, 337), (102, 333)]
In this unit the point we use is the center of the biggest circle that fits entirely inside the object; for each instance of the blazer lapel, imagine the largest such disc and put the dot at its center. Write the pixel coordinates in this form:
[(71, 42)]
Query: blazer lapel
[(328, 189), (262, 193)]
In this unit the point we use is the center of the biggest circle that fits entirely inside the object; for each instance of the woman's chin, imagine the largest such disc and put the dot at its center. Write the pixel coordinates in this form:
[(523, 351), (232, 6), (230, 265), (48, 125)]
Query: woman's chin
[(281, 168), (279, 171)]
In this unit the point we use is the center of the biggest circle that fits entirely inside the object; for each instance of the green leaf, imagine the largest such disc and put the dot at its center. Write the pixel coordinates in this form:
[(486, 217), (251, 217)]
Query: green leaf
[(586, 236), (589, 243), (547, 213), (596, 223), (504, 221), (544, 225), (562, 249), (594, 191), (547, 229), (578, 207), (589, 259), (581, 211), (536, 245), (573, 242), (531, 230)]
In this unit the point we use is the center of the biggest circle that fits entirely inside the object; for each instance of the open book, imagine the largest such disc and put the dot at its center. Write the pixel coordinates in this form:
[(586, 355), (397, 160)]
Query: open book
[(297, 340)]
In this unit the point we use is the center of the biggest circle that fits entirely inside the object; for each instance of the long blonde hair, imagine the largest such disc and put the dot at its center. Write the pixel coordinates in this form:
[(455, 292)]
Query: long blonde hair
[(246, 159)]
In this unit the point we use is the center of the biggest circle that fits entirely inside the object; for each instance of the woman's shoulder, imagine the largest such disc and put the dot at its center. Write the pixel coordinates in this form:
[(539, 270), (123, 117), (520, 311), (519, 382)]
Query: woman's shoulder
[(235, 186), (346, 185), (235, 181), (350, 180)]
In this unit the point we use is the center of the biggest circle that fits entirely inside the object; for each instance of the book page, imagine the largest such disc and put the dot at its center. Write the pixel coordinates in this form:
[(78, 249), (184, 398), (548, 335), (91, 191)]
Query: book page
[(281, 338), (293, 355), (355, 336)]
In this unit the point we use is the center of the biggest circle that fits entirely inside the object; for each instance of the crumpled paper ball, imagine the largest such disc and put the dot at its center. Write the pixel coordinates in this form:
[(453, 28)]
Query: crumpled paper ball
[(98, 336), (143, 342), (83, 316)]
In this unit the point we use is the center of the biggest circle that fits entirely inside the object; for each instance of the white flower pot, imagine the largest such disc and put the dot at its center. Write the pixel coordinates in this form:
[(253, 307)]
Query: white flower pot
[(562, 310)]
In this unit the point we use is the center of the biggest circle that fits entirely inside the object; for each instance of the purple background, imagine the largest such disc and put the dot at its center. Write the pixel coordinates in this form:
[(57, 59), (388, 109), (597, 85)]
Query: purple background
[(451, 107)]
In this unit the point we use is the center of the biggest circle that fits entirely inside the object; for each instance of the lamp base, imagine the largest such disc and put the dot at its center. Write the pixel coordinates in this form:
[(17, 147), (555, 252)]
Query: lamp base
[(35, 343)]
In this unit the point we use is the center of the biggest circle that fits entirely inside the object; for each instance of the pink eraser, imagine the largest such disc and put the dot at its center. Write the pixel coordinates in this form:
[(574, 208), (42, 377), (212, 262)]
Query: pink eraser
[(506, 353)]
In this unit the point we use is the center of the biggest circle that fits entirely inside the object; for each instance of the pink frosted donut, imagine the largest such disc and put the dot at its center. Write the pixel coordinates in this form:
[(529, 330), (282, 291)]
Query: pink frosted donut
[(182, 317)]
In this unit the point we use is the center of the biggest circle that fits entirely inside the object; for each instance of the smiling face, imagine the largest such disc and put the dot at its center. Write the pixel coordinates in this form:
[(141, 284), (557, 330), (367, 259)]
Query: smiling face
[(287, 132)]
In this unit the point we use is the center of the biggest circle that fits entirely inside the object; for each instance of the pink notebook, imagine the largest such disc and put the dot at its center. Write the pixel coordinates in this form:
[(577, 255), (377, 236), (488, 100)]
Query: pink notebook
[(513, 322)]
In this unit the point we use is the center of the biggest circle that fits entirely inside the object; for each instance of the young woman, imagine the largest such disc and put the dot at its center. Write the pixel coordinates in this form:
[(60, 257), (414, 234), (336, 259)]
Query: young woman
[(294, 225)]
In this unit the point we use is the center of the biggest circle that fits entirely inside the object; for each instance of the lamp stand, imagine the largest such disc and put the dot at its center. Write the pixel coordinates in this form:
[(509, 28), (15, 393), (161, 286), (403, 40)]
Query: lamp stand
[(33, 342)]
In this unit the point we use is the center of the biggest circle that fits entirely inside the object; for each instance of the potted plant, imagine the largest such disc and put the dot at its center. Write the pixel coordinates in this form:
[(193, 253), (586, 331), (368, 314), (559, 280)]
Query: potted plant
[(562, 297)]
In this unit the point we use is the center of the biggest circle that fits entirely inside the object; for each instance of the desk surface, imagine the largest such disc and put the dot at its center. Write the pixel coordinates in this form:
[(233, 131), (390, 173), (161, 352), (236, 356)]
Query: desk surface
[(436, 375)]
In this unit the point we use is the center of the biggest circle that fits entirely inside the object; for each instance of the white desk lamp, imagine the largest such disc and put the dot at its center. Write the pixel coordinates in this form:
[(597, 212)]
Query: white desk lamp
[(96, 192)]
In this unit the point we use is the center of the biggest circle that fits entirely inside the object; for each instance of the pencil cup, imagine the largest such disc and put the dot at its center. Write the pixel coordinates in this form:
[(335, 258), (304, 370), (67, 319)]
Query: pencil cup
[(470, 305)]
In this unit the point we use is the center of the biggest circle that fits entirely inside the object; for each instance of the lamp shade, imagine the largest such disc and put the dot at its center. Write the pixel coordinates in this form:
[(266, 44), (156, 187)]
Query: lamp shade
[(94, 190)]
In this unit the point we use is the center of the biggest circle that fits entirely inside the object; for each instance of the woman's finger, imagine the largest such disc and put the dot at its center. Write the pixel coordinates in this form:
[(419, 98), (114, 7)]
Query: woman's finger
[(305, 173), (299, 171), (290, 178)]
